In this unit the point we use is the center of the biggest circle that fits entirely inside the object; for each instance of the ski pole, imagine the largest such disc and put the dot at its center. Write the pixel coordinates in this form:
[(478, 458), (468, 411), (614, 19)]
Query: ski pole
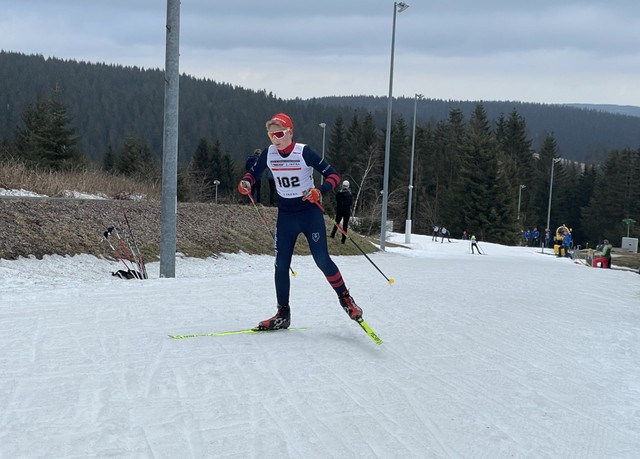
[(389, 280), (140, 261), (127, 252), (266, 225), (116, 252)]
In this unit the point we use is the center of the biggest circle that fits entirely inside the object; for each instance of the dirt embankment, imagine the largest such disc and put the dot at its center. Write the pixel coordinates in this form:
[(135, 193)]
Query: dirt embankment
[(37, 227)]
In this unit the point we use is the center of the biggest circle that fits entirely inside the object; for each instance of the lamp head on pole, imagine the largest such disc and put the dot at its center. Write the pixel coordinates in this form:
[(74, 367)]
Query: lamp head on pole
[(419, 96), (522, 187), (323, 125), (401, 6)]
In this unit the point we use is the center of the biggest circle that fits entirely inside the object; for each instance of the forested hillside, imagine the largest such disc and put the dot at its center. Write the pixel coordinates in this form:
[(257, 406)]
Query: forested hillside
[(486, 168), (108, 103)]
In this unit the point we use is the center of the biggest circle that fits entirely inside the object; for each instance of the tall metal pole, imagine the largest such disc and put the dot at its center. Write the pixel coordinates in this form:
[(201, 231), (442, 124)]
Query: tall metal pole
[(553, 162), (323, 126), (170, 143), (407, 231), (397, 7), (519, 196)]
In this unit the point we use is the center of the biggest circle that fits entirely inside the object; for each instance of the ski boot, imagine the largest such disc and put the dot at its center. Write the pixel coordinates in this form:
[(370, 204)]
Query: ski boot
[(350, 306), (281, 320)]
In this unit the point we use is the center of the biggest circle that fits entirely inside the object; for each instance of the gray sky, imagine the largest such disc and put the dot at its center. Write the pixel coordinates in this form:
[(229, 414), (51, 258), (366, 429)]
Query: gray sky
[(543, 51)]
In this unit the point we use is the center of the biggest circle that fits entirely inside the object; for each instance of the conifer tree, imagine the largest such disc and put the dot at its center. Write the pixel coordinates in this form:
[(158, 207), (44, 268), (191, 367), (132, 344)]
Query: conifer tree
[(483, 202), (612, 198), (108, 161), (518, 163), (45, 138), (135, 160)]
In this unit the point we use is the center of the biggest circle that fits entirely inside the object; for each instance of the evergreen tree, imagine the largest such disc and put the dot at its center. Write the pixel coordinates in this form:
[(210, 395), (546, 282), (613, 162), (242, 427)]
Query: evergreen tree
[(423, 214), (108, 162), (45, 138), (483, 200), (135, 160), (612, 198), (449, 140), (518, 163)]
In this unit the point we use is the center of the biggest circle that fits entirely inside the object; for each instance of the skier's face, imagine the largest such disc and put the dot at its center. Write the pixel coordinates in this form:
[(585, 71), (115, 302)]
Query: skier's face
[(280, 136)]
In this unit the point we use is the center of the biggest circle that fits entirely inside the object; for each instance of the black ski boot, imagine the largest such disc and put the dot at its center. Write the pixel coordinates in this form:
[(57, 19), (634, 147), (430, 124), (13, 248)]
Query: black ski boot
[(350, 306), (281, 320)]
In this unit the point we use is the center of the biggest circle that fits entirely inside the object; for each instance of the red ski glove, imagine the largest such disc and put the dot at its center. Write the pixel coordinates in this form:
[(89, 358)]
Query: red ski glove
[(244, 187), (312, 195)]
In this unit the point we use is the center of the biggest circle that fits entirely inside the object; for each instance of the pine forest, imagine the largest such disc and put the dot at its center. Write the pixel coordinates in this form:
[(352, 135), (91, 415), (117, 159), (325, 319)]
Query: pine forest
[(487, 168)]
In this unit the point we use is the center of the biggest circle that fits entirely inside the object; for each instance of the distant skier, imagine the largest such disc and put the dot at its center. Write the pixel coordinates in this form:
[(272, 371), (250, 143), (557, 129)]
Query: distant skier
[(474, 243), (445, 233), (436, 233), (344, 201)]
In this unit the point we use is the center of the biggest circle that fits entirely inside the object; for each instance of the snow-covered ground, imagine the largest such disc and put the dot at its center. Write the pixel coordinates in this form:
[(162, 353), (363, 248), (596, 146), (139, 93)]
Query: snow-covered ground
[(514, 354)]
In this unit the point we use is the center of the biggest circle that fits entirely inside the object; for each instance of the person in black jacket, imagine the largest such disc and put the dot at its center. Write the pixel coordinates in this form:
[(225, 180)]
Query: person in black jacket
[(344, 201), (255, 189)]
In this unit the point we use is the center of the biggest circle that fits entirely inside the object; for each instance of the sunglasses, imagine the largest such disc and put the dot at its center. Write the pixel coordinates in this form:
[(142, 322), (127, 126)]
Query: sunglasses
[(277, 134)]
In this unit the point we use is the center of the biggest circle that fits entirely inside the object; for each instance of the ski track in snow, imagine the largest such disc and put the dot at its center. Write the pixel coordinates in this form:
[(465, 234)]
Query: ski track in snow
[(512, 355)]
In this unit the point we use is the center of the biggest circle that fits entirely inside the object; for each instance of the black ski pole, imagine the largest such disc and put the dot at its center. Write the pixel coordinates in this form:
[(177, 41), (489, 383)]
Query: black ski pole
[(389, 280), (266, 225)]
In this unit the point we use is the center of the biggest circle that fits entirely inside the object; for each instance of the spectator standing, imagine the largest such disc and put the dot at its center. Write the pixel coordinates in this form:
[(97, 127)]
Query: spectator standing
[(547, 237), (535, 235)]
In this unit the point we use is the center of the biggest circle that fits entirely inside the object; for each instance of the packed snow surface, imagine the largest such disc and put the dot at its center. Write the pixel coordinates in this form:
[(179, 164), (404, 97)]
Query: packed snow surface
[(512, 354)]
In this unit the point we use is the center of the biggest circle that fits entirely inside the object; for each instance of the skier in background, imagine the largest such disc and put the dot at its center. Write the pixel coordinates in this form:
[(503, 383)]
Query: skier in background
[(445, 233), (474, 244), (344, 201)]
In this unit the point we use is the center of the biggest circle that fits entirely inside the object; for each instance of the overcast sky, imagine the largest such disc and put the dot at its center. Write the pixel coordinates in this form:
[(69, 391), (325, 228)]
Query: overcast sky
[(543, 51)]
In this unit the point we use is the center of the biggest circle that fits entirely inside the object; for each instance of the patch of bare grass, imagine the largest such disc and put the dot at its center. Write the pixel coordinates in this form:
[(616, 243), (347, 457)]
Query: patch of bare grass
[(15, 175)]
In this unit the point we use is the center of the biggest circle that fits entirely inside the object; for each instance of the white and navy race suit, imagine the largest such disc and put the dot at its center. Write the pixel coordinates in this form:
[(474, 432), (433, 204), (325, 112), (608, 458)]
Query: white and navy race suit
[(293, 175)]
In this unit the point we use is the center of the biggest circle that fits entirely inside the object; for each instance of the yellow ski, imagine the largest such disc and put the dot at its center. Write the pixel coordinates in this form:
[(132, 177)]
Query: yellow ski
[(369, 331), (232, 332)]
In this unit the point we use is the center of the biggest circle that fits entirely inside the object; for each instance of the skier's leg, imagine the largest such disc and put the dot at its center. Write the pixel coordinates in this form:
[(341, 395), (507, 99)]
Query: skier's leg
[(287, 230), (314, 231)]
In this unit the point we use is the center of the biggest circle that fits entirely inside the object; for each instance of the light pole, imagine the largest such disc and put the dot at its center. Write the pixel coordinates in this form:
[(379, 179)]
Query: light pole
[(323, 126), (398, 7), (553, 162), (628, 222), (522, 187), (407, 231), (216, 183)]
